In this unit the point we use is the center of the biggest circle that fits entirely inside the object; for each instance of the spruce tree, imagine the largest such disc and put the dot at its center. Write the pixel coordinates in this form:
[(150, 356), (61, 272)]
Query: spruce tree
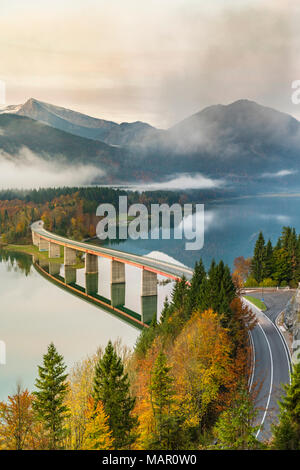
[(198, 276), (269, 262), (146, 338), (282, 266), (234, 429), (180, 294), (168, 433), (49, 399), (112, 388), (208, 292), (259, 259), (287, 432), (217, 291), (165, 311), (224, 308), (228, 284)]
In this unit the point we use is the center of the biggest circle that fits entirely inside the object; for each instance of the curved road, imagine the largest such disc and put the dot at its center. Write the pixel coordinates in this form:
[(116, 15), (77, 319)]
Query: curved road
[(161, 267), (271, 356), (271, 361)]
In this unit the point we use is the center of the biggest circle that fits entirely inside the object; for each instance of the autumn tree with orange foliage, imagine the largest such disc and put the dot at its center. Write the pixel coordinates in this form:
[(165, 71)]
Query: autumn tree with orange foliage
[(203, 368), (207, 349), (242, 270), (16, 419), (19, 429)]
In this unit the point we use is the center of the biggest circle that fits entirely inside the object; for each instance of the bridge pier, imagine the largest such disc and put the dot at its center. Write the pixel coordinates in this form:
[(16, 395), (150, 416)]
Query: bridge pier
[(69, 256), (70, 275), (117, 283), (54, 268), (149, 283), (44, 263), (117, 294), (43, 244), (117, 273), (148, 308), (54, 250), (91, 263), (91, 283), (35, 239), (148, 296)]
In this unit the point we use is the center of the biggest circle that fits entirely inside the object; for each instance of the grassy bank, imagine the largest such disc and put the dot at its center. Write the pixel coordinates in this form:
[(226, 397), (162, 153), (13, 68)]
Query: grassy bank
[(41, 255), (257, 302)]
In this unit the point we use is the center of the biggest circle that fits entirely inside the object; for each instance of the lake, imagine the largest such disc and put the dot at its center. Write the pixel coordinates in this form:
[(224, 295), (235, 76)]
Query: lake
[(34, 311), (231, 229)]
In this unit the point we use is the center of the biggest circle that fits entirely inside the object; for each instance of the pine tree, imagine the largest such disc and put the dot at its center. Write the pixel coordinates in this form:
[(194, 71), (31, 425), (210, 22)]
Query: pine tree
[(228, 284), (217, 291), (165, 311), (198, 276), (208, 292), (179, 295), (112, 388), (49, 400), (234, 429), (269, 262), (223, 308), (259, 259), (282, 266), (168, 433), (287, 432), (146, 338)]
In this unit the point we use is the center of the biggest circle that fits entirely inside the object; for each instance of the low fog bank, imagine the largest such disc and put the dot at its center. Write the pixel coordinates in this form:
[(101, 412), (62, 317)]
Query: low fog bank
[(29, 171), (183, 181)]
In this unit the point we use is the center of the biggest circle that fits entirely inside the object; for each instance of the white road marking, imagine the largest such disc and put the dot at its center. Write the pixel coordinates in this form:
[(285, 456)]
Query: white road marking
[(287, 353), (272, 365), (251, 378), (271, 381)]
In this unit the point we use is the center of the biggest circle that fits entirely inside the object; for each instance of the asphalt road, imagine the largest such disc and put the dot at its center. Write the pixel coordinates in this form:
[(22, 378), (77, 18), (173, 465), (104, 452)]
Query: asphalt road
[(161, 267), (271, 357), (271, 361)]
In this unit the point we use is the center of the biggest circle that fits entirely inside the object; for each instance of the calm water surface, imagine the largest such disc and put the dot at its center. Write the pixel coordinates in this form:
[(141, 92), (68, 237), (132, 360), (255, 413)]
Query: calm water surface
[(34, 312), (231, 229)]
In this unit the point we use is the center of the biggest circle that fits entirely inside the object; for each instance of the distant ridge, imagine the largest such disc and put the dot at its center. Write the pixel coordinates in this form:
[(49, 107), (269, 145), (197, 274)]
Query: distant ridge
[(238, 142), (80, 124)]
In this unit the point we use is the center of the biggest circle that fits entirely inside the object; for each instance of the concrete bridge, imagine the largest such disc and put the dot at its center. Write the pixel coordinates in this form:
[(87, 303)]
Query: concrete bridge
[(150, 268)]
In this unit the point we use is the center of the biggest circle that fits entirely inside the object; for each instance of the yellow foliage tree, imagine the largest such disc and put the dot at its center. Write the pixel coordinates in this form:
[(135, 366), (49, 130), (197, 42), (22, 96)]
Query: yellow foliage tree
[(203, 369), (79, 391), (97, 434)]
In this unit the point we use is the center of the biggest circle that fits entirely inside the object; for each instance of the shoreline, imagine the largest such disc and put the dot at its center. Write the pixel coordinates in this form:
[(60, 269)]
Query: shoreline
[(40, 255)]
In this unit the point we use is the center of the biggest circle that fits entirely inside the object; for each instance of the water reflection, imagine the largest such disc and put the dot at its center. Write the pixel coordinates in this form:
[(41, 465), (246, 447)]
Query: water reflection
[(231, 229), (34, 312), (16, 262), (89, 286)]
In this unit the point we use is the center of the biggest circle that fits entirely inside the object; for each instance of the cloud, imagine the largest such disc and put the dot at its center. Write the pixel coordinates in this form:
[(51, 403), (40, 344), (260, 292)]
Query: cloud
[(279, 218), (27, 170), (183, 181), (154, 61), (279, 174)]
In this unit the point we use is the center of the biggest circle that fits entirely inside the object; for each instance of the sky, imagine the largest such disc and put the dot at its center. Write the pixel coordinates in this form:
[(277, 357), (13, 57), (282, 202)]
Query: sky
[(157, 61)]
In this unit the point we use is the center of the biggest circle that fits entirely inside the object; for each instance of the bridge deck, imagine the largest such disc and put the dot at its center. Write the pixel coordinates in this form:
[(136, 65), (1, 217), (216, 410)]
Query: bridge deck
[(169, 270)]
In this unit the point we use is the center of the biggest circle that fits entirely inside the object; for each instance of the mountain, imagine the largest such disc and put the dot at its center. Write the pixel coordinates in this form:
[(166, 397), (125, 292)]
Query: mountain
[(243, 143), (83, 125), (23, 139), (243, 139)]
